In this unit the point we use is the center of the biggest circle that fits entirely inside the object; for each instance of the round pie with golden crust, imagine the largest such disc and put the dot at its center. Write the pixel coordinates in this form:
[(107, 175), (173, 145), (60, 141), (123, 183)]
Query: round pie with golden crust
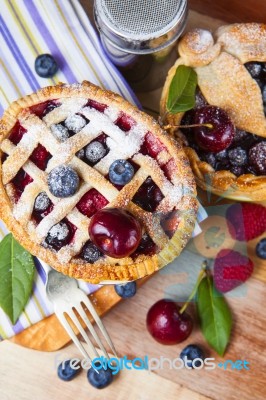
[(73, 134), (231, 71)]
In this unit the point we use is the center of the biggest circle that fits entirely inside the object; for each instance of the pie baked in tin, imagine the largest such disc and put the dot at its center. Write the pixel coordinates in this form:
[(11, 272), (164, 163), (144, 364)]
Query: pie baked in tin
[(231, 72), (54, 127)]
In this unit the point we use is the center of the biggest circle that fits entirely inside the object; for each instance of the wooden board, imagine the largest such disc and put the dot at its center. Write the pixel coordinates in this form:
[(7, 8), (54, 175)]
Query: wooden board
[(33, 372)]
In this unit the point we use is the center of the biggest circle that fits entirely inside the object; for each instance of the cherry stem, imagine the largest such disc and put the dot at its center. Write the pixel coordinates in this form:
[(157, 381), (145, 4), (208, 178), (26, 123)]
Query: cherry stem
[(169, 126), (202, 274)]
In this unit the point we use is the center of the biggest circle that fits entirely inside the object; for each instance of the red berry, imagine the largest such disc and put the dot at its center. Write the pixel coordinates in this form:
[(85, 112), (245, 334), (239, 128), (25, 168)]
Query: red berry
[(148, 196), (146, 246), (44, 108), (21, 180), (16, 133), (231, 269), (95, 104), (40, 156), (220, 136), (151, 145), (125, 122), (246, 221), (166, 324), (91, 202), (115, 232)]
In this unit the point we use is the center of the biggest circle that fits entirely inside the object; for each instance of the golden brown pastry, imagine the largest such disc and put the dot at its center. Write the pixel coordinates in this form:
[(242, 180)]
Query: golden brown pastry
[(231, 71)]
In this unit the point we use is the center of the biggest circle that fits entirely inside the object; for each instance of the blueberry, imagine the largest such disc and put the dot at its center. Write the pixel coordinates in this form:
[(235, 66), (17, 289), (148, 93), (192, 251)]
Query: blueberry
[(60, 132), (259, 83), (58, 235), (126, 290), (200, 100), (210, 159), (66, 372), (257, 157), (237, 170), (254, 69), (240, 136), (222, 155), (81, 154), (121, 172), (264, 94), (75, 123), (192, 352), (101, 377), (42, 202), (261, 249), (238, 156), (95, 151), (91, 253), (63, 181), (46, 66)]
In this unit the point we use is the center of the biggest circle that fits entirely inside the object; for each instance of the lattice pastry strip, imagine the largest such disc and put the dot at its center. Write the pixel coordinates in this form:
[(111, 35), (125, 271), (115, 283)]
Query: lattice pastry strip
[(19, 154), (73, 145), (67, 108), (24, 207)]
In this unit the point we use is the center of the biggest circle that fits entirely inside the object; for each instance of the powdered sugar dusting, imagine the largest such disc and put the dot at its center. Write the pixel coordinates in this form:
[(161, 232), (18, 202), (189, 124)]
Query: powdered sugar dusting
[(42, 202), (75, 123), (60, 132), (112, 113), (201, 40), (95, 151), (59, 231)]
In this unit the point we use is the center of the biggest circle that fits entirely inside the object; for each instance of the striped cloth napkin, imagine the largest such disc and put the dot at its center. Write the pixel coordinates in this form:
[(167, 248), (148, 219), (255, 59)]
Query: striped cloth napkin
[(59, 27)]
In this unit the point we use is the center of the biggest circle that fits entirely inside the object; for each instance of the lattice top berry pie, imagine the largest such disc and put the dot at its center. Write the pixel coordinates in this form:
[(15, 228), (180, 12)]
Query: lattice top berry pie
[(230, 159), (93, 186)]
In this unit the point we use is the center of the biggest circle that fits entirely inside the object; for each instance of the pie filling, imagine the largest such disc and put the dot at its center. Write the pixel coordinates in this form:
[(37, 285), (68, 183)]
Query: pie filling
[(148, 196), (247, 152)]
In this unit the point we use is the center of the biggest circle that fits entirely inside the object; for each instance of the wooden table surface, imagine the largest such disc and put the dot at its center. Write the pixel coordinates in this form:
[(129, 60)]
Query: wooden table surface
[(30, 374)]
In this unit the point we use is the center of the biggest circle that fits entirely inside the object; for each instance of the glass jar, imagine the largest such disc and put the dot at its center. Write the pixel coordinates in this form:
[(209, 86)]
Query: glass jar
[(139, 37)]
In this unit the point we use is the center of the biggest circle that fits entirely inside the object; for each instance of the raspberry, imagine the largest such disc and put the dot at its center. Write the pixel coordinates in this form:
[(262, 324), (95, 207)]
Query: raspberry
[(40, 157), (151, 145), (91, 202), (247, 219), (231, 269), (125, 122)]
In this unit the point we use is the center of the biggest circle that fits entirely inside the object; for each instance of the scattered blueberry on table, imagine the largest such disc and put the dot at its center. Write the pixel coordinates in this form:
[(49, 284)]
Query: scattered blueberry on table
[(100, 378), (261, 249), (192, 352), (46, 66), (126, 290), (66, 372)]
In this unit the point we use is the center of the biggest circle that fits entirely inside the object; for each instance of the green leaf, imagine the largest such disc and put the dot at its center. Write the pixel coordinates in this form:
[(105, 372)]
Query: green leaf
[(181, 96), (215, 315), (16, 277)]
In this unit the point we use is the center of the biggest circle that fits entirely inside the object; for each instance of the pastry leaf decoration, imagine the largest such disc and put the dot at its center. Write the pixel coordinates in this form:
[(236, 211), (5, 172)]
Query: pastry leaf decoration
[(181, 95), (214, 314), (16, 277)]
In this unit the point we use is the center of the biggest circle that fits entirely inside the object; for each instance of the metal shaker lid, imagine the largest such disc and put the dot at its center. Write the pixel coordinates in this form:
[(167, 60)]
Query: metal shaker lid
[(140, 26)]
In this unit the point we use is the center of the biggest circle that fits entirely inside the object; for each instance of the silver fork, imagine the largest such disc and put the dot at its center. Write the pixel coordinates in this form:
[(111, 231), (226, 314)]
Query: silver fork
[(66, 296)]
